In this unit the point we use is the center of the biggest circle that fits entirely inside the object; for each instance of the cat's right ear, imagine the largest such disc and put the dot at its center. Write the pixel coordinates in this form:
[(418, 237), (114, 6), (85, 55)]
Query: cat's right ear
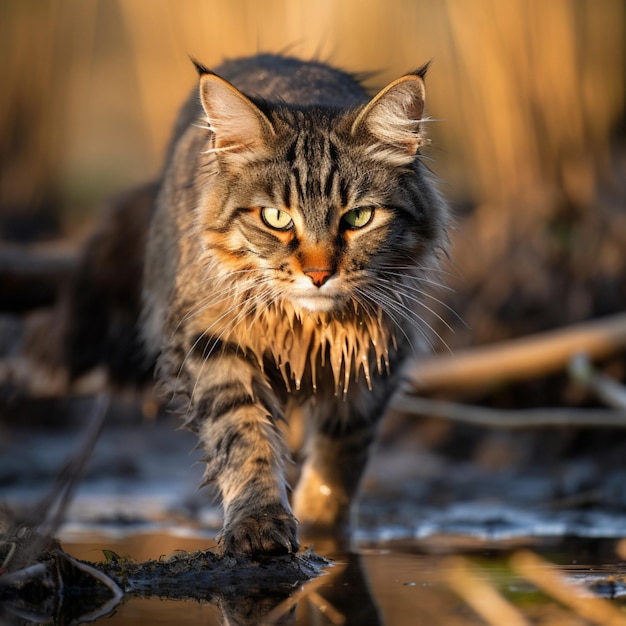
[(240, 127), (394, 117)]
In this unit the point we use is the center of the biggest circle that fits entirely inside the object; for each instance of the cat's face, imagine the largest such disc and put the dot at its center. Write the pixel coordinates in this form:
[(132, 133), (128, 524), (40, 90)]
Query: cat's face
[(323, 209)]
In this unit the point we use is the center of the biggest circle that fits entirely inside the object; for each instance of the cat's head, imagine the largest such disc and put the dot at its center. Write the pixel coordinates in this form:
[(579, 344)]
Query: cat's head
[(329, 209)]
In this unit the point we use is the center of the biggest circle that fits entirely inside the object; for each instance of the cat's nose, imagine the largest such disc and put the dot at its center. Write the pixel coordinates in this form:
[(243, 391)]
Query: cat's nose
[(318, 276)]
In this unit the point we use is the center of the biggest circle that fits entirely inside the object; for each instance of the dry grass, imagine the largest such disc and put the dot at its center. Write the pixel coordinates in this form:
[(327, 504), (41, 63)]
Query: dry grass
[(529, 90)]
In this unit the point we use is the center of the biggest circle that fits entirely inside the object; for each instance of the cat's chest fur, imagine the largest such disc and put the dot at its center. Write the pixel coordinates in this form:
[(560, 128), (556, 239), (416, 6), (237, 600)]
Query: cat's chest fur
[(307, 349)]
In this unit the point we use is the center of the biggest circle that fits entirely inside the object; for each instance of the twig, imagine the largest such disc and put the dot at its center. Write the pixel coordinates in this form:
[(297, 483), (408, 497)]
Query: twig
[(53, 507), (492, 418), (480, 595), (327, 609), (20, 577), (19, 260), (117, 595), (32, 277), (12, 549), (528, 357), (606, 389), (48, 514)]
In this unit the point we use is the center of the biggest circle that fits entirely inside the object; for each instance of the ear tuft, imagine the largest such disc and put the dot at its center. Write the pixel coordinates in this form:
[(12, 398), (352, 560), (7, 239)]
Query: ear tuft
[(393, 117), (422, 70), (239, 126), (200, 68)]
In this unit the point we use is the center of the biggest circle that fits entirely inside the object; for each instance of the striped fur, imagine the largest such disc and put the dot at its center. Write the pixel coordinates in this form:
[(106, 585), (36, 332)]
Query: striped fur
[(312, 313)]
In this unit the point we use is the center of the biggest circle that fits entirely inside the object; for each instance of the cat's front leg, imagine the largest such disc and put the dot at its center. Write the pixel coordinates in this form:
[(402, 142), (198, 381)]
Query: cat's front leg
[(340, 434), (234, 412)]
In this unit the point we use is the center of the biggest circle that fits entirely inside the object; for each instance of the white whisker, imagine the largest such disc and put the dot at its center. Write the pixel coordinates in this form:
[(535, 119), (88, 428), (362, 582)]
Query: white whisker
[(389, 311), (408, 314), (426, 294)]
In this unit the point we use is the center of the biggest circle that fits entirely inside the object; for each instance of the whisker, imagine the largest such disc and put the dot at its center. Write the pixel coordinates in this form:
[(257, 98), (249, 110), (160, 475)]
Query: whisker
[(429, 295), (233, 290), (411, 267), (396, 322), (242, 308), (402, 288), (206, 355), (410, 316)]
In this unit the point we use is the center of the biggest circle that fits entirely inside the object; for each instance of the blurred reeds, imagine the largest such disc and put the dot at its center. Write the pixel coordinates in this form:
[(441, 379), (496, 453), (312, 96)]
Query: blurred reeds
[(529, 95)]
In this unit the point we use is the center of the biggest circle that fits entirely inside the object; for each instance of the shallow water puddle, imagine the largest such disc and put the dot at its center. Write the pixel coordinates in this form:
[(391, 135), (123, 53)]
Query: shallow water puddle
[(438, 543), (446, 580)]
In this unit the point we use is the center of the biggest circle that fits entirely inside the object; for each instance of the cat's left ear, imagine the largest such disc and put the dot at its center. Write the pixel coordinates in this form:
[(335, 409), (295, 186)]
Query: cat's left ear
[(394, 116)]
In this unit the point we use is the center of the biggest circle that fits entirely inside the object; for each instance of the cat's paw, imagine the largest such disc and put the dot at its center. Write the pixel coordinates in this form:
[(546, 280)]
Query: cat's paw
[(270, 531)]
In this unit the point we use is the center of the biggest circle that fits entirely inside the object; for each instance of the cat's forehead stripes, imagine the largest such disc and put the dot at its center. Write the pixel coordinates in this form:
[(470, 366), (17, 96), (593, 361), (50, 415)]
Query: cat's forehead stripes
[(312, 157)]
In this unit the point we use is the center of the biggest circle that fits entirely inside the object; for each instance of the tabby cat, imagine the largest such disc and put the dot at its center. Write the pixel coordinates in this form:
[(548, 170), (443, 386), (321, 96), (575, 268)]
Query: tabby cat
[(293, 232)]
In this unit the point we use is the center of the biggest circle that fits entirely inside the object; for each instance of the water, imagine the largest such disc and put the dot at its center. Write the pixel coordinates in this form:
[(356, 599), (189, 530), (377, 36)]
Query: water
[(432, 540), (396, 584)]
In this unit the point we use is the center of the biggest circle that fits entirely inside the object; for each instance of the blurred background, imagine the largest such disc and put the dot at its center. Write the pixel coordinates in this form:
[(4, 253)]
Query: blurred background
[(528, 98)]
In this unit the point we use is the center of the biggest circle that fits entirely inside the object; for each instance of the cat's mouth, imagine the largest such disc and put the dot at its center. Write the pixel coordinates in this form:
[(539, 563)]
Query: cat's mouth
[(325, 299), (317, 303)]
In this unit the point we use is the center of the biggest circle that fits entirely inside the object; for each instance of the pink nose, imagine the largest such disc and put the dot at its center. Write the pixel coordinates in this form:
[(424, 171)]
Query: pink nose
[(318, 276)]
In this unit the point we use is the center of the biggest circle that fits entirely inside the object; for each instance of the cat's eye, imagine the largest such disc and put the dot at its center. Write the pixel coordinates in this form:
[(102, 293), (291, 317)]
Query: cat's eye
[(359, 217), (276, 218)]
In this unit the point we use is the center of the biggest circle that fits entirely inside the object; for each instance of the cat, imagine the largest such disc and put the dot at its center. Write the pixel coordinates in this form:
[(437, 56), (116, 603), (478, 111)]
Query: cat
[(293, 232)]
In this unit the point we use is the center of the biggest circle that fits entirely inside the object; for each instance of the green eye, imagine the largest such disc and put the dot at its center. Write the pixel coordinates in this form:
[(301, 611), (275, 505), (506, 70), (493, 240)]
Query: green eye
[(359, 217), (276, 219)]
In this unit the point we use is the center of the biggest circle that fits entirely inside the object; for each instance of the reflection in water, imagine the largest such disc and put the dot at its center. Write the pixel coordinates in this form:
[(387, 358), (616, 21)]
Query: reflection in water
[(255, 609), (340, 596), (348, 591)]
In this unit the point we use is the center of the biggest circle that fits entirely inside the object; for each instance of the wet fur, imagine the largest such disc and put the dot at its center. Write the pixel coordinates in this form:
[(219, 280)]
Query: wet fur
[(237, 330), (219, 305)]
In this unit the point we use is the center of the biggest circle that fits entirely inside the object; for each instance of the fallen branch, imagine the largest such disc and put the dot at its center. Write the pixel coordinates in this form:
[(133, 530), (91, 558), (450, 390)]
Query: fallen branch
[(523, 418), (22, 576), (31, 277), (519, 359)]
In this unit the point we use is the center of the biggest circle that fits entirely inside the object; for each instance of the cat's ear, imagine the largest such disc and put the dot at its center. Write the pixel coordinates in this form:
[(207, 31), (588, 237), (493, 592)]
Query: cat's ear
[(393, 117), (240, 127)]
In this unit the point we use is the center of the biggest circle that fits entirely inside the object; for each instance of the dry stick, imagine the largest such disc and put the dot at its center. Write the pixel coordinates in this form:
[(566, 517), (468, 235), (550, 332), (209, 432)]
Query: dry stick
[(605, 388), (54, 505), (480, 595), (527, 357), (23, 576), (48, 514), (577, 597), (523, 418)]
